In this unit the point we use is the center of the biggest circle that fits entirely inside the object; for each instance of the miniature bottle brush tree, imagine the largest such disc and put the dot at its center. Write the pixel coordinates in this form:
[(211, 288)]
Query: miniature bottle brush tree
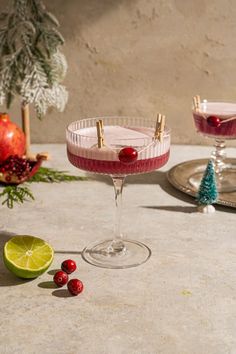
[(31, 64), (207, 193)]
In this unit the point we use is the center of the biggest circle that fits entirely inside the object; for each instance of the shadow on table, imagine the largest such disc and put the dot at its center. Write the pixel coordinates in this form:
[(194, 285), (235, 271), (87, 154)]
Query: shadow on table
[(56, 292), (61, 293), (156, 177), (175, 208), (68, 252), (159, 178)]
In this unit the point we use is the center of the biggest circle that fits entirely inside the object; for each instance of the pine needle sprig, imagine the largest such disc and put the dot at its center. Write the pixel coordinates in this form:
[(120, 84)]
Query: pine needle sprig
[(21, 193), (49, 175), (15, 194)]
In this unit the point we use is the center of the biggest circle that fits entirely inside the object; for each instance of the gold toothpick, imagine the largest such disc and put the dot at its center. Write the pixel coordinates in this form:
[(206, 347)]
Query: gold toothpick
[(196, 102), (100, 132), (160, 127), (102, 129)]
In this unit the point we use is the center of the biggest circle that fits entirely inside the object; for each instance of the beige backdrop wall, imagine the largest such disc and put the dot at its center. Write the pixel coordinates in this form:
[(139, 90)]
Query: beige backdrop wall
[(140, 57)]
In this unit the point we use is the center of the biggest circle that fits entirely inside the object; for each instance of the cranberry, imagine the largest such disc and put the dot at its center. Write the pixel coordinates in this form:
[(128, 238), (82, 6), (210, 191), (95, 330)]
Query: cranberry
[(75, 286), (68, 266), (128, 155), (214, 121), (60, 278)]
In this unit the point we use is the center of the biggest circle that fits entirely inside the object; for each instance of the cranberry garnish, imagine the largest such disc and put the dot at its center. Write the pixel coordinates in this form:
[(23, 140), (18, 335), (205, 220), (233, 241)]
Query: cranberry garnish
[(214, 121), (60, 278), (128, 155), (75, 286), (68, 266)]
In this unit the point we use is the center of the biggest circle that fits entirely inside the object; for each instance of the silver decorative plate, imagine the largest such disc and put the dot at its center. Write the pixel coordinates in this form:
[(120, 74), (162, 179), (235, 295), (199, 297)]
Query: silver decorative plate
[(180, 174)]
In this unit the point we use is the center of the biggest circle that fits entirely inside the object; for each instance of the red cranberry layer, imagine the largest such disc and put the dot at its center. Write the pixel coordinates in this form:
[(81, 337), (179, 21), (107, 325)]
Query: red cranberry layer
[(216, 129), (117, 167)]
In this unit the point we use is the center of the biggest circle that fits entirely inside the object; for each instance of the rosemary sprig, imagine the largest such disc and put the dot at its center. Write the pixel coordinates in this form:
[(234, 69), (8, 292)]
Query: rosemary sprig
[(15, 194), (21, 193), (49, 175)]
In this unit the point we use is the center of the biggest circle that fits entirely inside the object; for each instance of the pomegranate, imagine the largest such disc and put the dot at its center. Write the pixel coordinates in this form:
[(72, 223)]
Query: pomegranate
[(12, 138), (16, 170)]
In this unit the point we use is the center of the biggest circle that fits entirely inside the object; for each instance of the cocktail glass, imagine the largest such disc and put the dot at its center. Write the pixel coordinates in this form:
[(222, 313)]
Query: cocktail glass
[(129, 148), (215, 119)]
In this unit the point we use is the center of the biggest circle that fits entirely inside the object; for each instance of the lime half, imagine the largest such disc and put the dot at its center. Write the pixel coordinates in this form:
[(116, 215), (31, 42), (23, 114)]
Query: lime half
[(27, 256)]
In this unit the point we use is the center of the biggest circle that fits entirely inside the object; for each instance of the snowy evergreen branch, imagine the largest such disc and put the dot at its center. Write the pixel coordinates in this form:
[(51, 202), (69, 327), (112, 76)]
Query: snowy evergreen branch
[(31, 64)]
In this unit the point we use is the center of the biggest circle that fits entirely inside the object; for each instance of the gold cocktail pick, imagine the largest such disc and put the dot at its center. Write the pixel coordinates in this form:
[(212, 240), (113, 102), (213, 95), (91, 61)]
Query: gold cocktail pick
[(100, 133), (160, 127), (196, 102)]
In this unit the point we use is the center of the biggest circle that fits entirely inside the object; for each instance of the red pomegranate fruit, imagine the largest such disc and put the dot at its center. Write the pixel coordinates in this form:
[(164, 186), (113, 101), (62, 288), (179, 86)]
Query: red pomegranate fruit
[(12, 138), (16, 170)]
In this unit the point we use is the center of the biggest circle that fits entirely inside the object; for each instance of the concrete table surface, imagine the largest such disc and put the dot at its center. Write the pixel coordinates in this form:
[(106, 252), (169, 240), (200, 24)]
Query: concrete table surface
[(182, 301)]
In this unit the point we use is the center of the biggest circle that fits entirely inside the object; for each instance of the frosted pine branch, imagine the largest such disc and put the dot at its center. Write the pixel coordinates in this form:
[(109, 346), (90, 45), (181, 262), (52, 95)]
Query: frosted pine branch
[(59, 66), (31, 64)]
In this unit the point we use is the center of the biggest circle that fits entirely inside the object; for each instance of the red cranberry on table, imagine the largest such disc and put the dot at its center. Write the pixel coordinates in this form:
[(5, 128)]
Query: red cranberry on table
[(75, 286), (68, 266), (128, 155), (60, 278), (214, 121)]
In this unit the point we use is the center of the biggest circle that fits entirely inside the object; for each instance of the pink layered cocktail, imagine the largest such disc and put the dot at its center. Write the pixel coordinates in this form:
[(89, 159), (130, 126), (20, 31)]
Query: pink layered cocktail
[(216, 119), (87, 156), (118, 146)]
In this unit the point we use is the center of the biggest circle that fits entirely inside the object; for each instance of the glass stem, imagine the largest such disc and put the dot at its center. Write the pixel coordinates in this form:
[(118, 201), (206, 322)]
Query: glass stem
[(117, 244), (218, 156)]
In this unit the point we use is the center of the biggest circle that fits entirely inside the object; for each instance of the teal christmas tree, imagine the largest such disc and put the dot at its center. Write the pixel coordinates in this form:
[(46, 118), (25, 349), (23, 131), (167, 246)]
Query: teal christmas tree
[(31, 64), (207, 193)]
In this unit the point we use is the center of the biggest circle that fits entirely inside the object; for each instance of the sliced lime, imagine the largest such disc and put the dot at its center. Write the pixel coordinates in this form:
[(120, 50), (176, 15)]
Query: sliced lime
[(27, 256)]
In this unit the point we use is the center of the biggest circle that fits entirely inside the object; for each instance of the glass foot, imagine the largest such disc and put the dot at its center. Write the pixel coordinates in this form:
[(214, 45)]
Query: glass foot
[(226, 184), (102, 254)]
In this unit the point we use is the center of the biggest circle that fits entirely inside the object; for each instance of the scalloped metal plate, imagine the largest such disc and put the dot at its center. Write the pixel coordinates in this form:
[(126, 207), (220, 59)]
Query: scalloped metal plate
[(179, 176)]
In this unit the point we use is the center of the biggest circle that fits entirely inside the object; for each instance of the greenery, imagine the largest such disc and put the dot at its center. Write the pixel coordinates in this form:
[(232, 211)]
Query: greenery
[(50, 175), (15, 194), (20, 193), (31, 64), (207, 193)]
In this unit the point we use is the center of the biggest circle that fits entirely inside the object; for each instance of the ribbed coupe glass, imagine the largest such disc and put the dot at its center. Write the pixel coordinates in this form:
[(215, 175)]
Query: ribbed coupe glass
[(217, 119), (136, 134)]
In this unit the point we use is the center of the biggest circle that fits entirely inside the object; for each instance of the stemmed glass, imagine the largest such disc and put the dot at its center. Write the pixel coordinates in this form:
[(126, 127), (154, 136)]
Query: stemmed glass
[(128, 147), (216, 119)]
